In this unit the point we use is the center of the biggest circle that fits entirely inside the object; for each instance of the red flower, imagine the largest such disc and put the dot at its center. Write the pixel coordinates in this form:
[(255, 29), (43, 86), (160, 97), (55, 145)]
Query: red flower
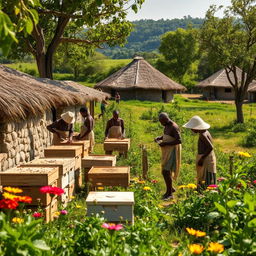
[(213, 186), (8, 204), (154, 181), (52, 190), (254, 182), (37, 215), (221, 179)]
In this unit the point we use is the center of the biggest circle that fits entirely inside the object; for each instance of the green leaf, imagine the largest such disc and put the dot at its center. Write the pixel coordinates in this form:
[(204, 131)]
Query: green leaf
[(220, 208), (29, 26), (252, 223), (40, 244), (231, 203)]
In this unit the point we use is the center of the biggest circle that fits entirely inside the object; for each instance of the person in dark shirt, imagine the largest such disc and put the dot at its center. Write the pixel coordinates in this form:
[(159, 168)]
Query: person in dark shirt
[(117, 97), (86, 132), (170, 143), (115, 127), (206, 159), (62, 129)]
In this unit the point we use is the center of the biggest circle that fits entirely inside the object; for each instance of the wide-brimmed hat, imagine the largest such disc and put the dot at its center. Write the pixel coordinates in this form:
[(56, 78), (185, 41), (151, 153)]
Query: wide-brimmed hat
[(197, 123), (68, 117)]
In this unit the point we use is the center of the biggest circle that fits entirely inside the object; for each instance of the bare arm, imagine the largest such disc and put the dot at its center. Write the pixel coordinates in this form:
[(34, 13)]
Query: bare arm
[(176, 134)]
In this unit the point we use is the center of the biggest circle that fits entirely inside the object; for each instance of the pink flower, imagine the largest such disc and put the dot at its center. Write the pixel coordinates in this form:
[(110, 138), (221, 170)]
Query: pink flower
[(221, 179), (254, 182), (112, 226), (37, 215), (213, 186), (63, 212), (154, 181), (51, 190)]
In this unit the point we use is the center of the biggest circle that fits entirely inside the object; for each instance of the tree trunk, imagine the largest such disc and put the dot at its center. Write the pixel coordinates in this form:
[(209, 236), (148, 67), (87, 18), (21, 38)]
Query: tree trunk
[(239, 112)]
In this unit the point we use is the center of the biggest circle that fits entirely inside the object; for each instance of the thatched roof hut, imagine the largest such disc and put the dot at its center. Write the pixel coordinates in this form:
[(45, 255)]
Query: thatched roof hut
[(140, 80), (22, 95), (217, 86)]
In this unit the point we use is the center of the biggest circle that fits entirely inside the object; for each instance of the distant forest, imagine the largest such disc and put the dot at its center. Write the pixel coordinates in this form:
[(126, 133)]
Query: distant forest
[(146, 36)]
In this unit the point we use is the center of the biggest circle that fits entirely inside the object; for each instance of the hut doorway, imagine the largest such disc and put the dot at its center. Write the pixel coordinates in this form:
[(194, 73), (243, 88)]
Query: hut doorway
[(113, 93), (164, 96)]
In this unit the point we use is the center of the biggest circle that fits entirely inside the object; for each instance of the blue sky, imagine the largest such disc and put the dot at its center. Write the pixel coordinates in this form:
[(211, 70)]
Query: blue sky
[(170, 9)]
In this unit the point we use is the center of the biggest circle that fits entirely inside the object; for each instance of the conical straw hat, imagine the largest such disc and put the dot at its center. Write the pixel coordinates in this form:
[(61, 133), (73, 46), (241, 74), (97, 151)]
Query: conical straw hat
[(197, 123), (68, 117)]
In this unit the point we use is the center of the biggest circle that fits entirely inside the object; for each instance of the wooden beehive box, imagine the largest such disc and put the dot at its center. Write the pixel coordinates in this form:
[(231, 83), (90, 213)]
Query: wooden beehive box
[(84, 143), (78, 180), (120, 145), (69, 151), (98, 160), (117, 206), (109, 176), (65, 166), (29, 176)]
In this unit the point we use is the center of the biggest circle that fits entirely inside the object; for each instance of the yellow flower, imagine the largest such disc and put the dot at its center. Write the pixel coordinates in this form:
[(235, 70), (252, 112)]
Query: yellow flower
[(13, 190), (160, 206), (17, 220), (78, 206), (196, 233), (141, 181), (191, 231), (182, 186), (100, 188), (9, 196), (135, 180), (244, 154), (147, 188), (192, 186), (196, 248), (215, 247), (56, 214)]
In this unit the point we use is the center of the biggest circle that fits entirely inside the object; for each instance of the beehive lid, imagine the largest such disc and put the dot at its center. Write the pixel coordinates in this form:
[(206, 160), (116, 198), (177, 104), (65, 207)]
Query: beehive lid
[(66, 147), (30, 171), (110, 198), (85, 143), (114, 140), (51, 161), (99, 157), (109, 169)]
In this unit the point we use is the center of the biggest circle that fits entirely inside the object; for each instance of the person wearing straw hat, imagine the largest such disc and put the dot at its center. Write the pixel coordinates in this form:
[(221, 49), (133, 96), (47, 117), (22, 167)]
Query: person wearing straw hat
[(86, 132), (170, 143), (62, 128), (205, 160)]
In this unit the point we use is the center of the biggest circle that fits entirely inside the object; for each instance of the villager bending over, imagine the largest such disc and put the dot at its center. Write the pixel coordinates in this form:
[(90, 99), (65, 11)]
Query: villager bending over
[(206, 159), (86, 132), (170, 143), (62, 128)]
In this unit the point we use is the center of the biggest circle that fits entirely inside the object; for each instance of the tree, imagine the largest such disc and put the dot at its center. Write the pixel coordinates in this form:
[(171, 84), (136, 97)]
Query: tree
[(25, 15), (230, 42), (102, 21), (180, 51)]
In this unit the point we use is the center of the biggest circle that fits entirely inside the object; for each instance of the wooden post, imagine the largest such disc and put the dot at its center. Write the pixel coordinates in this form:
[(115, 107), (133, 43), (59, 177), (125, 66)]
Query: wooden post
[(231, 162), (144, 162)]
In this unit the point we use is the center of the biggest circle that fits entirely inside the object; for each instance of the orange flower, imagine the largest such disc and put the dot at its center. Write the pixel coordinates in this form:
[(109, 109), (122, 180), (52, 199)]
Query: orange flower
[(191, 231), (24, 199), (13, 190), (215, 247), (196, 248)]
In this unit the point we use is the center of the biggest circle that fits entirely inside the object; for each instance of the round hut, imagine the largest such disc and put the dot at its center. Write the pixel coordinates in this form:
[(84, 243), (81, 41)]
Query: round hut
[(140, 81)]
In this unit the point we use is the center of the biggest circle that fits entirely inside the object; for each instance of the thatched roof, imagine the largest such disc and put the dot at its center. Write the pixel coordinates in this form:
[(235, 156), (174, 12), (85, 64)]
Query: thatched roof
[(220, 79), (139, 74), (22, 95)]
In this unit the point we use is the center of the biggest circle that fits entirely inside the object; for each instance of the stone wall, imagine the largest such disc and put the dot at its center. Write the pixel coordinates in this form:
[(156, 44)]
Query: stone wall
[(24, 141)]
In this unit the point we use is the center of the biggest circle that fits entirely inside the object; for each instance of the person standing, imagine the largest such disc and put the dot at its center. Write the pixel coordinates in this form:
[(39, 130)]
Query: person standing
[(86, 132), (62, 128), (117, 97), (170, 143), (103, 105), (115, 127), (206, 159)]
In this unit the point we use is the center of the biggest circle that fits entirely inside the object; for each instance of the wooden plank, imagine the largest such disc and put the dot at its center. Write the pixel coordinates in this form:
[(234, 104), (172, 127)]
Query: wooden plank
[(120, 145), (63, 151), (84, 143)]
